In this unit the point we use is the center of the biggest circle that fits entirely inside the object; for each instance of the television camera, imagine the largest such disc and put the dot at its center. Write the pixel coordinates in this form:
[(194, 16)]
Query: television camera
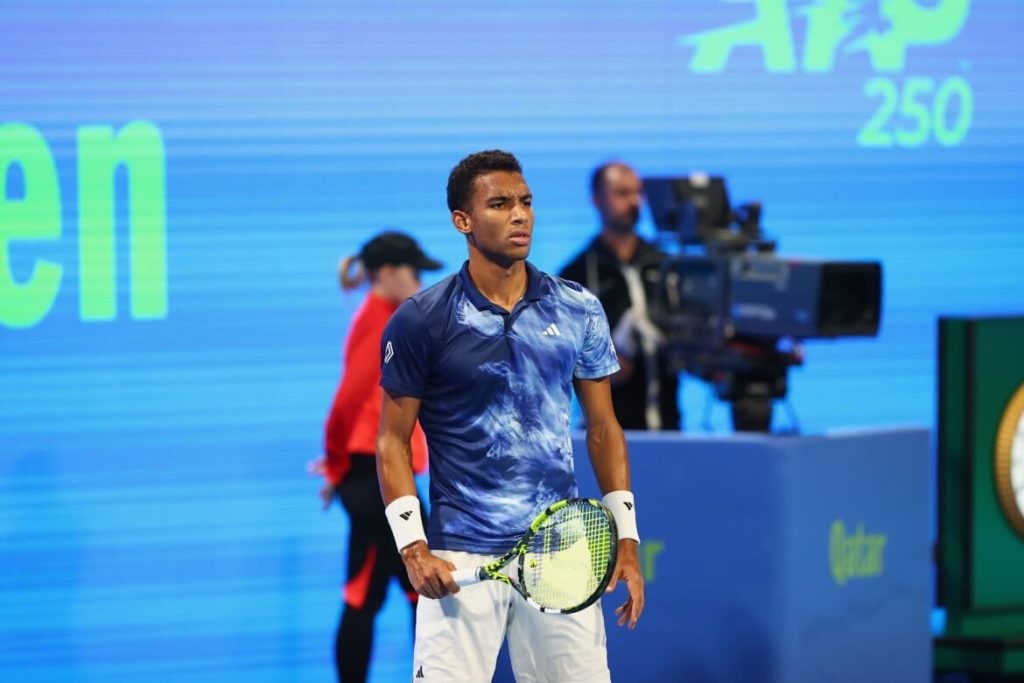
[(733, 311)]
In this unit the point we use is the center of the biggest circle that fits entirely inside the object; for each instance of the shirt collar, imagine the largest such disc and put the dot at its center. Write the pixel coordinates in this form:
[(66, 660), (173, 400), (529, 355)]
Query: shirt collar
[(536, 287)]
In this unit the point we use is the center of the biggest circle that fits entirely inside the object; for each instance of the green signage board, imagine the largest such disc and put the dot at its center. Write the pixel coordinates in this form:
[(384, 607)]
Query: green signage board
[(981, 476)]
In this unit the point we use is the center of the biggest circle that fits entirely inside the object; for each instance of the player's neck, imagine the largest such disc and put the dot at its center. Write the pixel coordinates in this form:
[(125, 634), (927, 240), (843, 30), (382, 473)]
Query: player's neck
[(622, 244), (502, 285)]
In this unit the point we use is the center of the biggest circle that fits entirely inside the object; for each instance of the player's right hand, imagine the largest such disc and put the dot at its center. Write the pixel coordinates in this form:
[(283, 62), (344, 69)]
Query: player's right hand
[(430, 575)]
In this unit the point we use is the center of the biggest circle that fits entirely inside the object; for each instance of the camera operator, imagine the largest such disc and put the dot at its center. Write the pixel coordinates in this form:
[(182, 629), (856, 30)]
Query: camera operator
[(623, 270)]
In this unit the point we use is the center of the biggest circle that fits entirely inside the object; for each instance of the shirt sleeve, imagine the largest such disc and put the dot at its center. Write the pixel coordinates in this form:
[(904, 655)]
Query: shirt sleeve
[(360, 374), (405, 350), (597, 357)]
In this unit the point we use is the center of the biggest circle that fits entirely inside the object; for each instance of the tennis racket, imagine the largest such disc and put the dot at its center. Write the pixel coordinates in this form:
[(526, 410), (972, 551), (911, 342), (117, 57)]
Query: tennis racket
[(565, 560)]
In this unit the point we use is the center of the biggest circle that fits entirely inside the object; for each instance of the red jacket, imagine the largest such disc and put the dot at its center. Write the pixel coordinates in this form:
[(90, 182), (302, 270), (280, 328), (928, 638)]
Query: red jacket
[(355, 414)]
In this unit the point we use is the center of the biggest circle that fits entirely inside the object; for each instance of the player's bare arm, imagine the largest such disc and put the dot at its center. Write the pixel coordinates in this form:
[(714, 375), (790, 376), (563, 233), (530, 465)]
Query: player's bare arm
[(429, 574), (606, 445)]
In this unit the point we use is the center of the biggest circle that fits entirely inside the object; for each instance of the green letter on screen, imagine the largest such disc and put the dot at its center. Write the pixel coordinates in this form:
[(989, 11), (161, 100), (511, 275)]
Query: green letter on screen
[(140, 148), (33, 216)]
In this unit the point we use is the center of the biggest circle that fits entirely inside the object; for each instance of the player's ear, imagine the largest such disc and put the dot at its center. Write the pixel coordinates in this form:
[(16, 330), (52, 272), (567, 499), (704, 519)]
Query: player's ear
[(462, 222)]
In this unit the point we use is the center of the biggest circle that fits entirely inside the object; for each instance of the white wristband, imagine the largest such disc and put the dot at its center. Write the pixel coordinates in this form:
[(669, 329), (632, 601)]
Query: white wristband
[(624, 511), (403, 515)]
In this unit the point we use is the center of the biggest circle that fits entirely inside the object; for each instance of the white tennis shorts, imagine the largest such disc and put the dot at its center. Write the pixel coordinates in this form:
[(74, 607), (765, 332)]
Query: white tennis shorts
[(458, 637)]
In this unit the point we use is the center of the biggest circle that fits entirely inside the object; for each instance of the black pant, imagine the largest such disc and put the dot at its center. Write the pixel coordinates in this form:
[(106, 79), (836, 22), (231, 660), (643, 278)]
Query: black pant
[(372, 560)]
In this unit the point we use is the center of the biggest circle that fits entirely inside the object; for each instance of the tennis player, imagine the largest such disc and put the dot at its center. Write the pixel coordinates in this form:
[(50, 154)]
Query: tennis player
[(486, 360), (392, 262)]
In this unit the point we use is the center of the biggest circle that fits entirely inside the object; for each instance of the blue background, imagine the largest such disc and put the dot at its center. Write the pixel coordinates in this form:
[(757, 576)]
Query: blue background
[(154, 515)]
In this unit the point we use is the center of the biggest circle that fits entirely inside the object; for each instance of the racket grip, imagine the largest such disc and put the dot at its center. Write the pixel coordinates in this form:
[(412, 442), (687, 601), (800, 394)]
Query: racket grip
[(466, 577)]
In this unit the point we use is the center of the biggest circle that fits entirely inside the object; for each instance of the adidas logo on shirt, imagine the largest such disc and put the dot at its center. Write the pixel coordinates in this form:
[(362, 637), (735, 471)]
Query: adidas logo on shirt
[(552, 331)]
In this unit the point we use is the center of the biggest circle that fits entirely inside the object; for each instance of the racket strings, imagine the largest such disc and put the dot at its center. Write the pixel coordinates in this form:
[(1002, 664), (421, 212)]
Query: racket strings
[(568, 556)]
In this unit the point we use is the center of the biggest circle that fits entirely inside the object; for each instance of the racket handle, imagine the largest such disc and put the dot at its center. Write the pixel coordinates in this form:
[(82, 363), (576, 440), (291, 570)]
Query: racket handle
[(466, 577)]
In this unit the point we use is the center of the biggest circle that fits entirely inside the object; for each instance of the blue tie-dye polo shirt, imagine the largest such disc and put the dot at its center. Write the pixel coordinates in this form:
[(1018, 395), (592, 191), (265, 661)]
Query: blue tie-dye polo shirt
[(495, 390)]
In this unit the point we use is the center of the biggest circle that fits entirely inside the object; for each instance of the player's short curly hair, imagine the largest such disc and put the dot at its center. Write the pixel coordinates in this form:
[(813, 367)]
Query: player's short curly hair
[(460, 180)]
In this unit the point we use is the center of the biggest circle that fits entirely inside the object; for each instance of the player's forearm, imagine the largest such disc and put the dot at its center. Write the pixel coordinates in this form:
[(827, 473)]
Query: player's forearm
[(398, 489), (394, 468), (606, 445)]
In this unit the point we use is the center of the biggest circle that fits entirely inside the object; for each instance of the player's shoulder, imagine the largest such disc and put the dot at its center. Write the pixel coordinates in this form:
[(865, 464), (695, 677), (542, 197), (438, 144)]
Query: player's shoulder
[(570, 290), (431, 301), (561, 282)]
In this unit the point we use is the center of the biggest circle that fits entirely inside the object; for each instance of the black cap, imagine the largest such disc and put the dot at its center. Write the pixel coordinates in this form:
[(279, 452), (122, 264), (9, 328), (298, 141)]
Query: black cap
[(396, 249)]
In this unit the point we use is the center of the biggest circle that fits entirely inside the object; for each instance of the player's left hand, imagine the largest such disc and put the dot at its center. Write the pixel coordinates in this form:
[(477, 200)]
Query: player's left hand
[(627, 569)]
